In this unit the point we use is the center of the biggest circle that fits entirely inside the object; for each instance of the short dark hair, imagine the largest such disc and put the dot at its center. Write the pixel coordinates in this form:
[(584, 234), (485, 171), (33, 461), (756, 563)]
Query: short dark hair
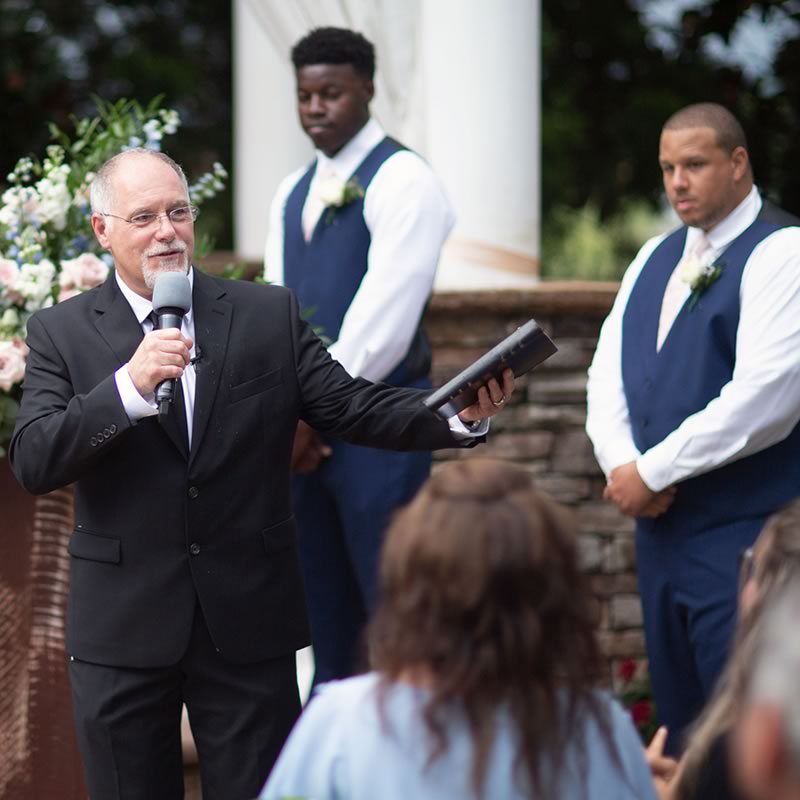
[(335, 46), (730, 133)]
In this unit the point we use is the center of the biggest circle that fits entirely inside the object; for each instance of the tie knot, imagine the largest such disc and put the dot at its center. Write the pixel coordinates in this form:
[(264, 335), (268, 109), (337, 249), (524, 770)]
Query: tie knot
[(702, 247), (153, 318)]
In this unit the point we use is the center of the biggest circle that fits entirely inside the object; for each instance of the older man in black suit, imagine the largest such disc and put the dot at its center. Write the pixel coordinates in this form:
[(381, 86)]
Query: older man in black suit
[(185, 585)]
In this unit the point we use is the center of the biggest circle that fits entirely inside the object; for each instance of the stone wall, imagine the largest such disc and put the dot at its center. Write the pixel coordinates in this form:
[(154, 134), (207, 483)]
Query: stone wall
[(543, 428)]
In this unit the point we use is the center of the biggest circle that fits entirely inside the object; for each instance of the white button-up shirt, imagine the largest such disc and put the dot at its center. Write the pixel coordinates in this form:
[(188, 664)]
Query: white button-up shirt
[(757, 408)]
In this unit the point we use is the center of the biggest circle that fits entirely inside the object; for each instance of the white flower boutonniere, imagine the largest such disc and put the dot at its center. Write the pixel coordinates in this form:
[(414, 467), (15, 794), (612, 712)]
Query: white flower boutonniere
[(335, 193), (699, 276)]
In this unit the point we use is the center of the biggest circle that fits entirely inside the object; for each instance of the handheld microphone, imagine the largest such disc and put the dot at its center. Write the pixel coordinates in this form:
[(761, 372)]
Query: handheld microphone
[(172, 298)]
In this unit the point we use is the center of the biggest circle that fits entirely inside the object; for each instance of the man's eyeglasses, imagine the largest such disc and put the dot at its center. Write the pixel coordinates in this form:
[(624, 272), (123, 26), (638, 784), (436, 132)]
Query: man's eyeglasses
[(178, 216)]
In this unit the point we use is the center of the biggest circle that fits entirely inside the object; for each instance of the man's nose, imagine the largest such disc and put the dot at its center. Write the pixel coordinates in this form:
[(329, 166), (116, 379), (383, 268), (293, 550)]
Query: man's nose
[(165, 228), (679, 178), (315, 105)]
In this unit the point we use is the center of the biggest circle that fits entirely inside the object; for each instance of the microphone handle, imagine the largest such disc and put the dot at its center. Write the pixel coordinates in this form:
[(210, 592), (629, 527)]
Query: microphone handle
[(165, 391)]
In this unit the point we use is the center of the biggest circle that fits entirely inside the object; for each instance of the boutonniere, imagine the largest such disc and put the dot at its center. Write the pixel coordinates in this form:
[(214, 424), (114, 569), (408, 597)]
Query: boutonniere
[(699, 276), (336, 193)]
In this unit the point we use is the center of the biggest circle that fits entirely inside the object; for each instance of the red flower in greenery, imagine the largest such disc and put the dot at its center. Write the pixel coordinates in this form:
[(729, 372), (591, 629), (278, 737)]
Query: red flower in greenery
[(626, 670), (642, 713)]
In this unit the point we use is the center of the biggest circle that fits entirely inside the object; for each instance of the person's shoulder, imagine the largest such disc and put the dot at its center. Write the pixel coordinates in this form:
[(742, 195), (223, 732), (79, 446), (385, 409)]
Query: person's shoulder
[(347, 691), (406, 165), (72, 307), (245, 290)]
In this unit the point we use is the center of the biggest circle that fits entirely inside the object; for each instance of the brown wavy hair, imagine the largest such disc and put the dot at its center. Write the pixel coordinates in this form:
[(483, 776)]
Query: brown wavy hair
[(484, 602)]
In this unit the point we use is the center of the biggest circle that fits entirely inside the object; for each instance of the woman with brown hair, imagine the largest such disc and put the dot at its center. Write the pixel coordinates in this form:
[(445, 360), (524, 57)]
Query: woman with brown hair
[(703, 772), (486, 661)]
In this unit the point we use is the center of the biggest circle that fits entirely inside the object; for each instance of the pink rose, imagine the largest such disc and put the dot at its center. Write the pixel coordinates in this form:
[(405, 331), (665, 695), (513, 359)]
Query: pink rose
[(65, 294), (8, 273), (83, 272), (12, 362)]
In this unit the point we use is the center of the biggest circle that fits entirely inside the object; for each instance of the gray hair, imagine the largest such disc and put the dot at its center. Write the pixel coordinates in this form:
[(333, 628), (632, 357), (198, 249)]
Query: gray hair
[(101, 192), (776, 665)]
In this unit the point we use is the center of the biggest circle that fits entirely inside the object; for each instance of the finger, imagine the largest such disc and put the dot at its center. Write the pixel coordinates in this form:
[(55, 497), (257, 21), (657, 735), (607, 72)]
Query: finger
[(495, 392), (656, 746), (508, 382)]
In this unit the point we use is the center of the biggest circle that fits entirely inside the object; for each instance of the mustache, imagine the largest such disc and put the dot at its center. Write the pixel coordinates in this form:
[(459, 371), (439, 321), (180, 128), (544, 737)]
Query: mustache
[(176, 246)]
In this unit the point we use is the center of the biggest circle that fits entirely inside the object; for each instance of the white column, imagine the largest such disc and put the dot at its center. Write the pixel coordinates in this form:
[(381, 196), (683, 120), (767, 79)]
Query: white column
[(268, 140), (482, 73)]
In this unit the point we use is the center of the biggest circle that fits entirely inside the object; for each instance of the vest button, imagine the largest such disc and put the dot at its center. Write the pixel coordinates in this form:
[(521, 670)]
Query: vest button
[(193, 492), (194, 549)]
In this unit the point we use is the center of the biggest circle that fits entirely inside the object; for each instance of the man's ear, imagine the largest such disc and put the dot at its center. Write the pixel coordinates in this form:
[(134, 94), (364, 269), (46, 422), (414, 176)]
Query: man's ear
[(741, 163), (99, 226), (369, 91)]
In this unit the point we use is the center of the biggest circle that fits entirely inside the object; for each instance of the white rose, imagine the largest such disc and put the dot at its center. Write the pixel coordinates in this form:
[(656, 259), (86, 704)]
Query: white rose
[(331, 191), (691, 270), (12, 363), (83, 272), (10, 319)]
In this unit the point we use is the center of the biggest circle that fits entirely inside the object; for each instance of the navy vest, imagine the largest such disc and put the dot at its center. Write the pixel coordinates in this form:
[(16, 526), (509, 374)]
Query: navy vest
[(695, 361), (326, 271)]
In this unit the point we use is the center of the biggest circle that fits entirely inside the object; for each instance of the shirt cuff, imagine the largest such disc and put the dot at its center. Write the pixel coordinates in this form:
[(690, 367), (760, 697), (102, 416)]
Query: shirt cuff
[(136, 406), (462, 430), (655, 476)]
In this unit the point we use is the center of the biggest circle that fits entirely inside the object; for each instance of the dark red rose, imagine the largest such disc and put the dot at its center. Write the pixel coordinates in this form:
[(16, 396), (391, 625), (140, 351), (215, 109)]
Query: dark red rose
[(626, 670), (642, 712)]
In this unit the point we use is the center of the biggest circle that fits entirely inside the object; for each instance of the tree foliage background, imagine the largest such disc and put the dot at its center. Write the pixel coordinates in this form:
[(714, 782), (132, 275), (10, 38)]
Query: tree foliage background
[(609, 80), (55, 55)]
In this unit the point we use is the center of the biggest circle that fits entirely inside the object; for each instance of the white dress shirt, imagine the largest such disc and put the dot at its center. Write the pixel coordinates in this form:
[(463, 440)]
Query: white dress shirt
[(136, 406), (409, 218), (757, 408)]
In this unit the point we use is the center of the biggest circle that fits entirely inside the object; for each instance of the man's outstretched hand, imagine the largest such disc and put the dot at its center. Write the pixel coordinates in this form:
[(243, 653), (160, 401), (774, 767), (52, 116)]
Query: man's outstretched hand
[(491, 398)]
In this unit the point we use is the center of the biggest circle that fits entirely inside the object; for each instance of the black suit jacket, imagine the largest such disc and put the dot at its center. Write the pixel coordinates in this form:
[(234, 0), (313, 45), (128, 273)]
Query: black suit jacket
[(157, 526)]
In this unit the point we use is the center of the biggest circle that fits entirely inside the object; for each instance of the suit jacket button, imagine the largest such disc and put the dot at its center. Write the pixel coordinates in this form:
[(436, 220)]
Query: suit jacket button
[(194, 549), (106, 432), (193, 492), (113, 429), (93, 441)]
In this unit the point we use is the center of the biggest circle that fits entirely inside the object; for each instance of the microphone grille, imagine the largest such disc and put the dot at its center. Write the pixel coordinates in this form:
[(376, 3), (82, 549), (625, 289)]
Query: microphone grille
[(172, 290)]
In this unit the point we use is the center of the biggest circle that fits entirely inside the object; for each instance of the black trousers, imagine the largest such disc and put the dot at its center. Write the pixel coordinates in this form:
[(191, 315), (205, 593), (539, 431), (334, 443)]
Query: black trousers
[(128, 723)]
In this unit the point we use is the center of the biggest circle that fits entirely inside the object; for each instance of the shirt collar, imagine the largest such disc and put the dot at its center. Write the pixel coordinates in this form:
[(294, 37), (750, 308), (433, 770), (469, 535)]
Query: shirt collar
[(142, 306), (346, 161), (741, 218)]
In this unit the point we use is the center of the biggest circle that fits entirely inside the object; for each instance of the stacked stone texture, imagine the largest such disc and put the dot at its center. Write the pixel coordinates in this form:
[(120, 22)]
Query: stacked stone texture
[(543, 428)]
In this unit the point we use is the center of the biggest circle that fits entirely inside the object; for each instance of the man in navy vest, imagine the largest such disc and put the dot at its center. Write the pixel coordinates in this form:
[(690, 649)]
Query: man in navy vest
[(357, 235), (694, 399)]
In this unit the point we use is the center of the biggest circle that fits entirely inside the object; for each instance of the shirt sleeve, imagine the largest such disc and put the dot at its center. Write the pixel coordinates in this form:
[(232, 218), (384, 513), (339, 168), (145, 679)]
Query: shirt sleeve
[(759, 406), (409, 218), (607, 419), (273, 248), (136, 406)]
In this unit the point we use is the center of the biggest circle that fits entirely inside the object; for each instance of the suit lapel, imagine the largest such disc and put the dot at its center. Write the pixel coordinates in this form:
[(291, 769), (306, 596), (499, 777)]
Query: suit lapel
[(212, 321), (117, 324)]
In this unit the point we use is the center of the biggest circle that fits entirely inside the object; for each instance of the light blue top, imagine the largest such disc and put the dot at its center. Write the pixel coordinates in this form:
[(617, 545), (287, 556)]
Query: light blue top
[(342, 750)]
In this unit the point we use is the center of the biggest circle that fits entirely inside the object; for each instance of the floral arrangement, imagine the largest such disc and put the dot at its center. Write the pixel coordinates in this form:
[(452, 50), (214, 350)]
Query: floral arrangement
[(335, 193), (635, 693), (698, 275), (48, 251)]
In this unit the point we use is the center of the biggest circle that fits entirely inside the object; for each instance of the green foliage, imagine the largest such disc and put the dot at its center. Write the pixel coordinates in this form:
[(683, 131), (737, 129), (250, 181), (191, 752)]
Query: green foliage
[(578, 244), (48, 251), (636, 694)]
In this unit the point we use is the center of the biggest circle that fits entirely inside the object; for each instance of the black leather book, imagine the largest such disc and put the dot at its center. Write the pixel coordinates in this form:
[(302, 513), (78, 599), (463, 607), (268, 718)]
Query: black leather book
[(522, 350)]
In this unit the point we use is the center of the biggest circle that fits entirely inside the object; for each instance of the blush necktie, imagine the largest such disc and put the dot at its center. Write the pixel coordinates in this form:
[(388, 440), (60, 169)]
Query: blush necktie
[(675, 293), (313, 207)]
